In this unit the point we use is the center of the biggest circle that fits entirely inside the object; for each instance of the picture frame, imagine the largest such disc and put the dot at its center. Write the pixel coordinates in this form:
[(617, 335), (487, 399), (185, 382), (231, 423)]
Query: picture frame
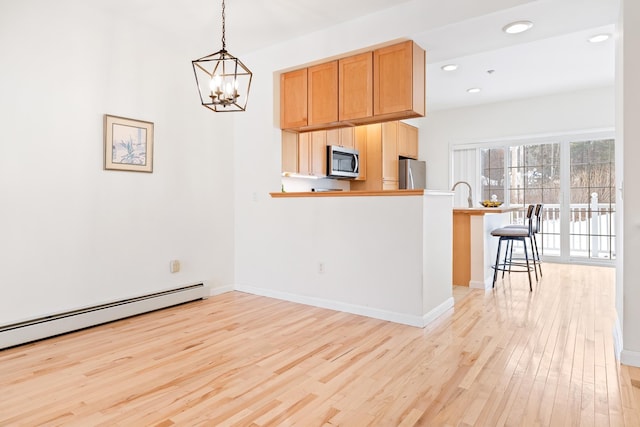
[(128, 144)]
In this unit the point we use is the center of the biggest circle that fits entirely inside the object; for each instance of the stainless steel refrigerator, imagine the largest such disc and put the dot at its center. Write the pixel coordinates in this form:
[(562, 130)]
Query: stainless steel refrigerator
[(412, 174)]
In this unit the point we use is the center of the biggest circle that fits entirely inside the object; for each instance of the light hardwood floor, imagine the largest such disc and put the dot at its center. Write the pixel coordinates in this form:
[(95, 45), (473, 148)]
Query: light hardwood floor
[(505, 357)]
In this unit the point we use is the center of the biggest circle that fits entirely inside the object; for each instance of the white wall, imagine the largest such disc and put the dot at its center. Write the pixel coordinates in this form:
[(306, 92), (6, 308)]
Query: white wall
[(619, 84), (370, 249), (554, 114), (631, 219), (437, 250), (72, 234)]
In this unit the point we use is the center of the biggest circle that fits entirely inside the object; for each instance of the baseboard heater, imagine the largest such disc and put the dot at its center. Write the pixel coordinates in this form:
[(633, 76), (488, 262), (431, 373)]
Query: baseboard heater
[(60, 323)]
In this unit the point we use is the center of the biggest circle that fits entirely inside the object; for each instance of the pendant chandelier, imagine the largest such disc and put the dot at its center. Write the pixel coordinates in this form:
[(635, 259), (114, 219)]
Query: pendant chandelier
[(223, 80)]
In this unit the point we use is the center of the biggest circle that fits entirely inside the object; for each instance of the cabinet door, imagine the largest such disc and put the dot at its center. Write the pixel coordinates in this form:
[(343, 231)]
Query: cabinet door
[(370, 136), (347, 137), (343, 137), (360, 144), (390, 151), (333, 137), (304, 153), (323, 93), (289, 152), (407, 141), (398, 76), (319, 153), (293, 99), (356, 86)]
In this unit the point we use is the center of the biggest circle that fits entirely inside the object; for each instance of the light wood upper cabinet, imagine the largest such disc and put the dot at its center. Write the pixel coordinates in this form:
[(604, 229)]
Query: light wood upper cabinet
[(293, 99), (407, 141), (379, 146), (390, 153), (371, 136), (360, 144), (333, 136), (323, 93), (347, 137), (355, 87), (304, 153), (312, 153), (372, 87), (343, 137), (381, 157), (289, 152), (399, 81), (318, 153)]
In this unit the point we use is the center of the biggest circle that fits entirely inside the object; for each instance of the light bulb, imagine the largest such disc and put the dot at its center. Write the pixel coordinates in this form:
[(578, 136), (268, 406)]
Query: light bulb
[(214, 84)]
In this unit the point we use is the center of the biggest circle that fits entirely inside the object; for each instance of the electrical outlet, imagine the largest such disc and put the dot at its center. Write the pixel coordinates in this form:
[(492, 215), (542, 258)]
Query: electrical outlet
[(321, 267), (174, 266)]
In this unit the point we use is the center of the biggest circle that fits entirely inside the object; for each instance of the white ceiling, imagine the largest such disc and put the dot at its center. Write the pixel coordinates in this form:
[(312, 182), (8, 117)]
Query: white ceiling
[(553, 56)]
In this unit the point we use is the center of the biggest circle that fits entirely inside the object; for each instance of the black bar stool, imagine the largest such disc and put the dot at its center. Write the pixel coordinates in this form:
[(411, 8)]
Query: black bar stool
[(537, 226), (511, 234), (534, 226)]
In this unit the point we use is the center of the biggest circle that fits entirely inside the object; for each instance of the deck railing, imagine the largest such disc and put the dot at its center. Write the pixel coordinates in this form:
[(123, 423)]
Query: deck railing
[(591, 229)]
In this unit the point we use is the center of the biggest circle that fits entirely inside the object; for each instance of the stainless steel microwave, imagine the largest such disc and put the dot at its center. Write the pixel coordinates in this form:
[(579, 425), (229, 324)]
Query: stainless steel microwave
[(342, 162)]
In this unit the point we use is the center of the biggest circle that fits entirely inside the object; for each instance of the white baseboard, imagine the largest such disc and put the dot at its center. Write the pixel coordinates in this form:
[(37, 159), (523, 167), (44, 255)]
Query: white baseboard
[(486, 285), (626, 357), (402, 318), (437, 312), (84, 317)]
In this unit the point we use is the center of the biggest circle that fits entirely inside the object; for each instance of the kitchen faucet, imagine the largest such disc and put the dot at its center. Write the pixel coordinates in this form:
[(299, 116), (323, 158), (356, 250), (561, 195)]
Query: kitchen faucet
[(469, 199)]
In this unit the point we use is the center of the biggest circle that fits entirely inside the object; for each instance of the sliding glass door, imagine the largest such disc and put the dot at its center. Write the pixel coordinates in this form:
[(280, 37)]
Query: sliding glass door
[(534, 177), (574, 180), (592, 205)]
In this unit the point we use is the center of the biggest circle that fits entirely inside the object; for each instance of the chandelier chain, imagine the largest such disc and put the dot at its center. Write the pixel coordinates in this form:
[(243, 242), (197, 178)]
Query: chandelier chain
[(224, 41)]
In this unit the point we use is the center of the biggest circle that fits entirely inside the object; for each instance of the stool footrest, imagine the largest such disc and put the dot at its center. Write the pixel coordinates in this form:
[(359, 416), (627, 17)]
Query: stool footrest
[(513, 267)]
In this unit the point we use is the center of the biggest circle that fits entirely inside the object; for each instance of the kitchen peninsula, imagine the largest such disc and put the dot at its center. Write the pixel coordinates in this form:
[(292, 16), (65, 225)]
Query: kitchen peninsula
[(474, 249), (382, 254), (380, 251)]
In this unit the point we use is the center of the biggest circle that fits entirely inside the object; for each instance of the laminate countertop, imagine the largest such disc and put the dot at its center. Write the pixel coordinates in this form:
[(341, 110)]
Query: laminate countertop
[(360, 193), (481, 210)]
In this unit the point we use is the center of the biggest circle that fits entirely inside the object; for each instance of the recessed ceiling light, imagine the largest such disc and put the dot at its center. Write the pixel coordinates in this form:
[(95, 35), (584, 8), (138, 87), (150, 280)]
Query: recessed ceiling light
[(473, 90), (449, 67), (517, 27), (598, 38)]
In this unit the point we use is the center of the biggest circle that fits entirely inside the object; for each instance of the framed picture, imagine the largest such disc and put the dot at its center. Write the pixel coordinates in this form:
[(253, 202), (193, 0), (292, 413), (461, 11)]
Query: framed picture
[(128, 144)]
